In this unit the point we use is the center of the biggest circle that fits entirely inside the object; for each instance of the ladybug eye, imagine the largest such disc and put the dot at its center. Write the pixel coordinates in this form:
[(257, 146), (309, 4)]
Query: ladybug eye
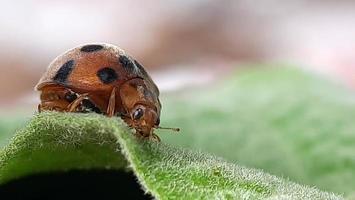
[(138, 114)]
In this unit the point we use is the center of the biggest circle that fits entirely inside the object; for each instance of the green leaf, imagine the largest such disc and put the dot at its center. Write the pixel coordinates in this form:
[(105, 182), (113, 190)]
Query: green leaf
[(65, 141), (285, 121)]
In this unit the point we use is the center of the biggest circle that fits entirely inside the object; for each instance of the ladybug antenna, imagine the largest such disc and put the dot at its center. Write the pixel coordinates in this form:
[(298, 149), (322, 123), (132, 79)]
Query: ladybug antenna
[(173, 129)]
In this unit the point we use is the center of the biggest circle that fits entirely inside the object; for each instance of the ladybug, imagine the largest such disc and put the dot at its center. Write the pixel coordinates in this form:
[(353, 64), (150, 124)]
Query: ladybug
[(102, 78)]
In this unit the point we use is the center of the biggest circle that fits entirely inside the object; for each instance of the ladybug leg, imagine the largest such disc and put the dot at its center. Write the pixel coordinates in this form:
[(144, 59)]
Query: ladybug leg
[(112, 103), (155, 137), (55, 105), (39, 108), (73, 105)]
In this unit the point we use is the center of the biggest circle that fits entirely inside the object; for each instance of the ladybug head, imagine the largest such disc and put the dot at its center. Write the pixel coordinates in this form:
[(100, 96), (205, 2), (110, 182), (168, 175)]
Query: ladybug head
[(144, 118)]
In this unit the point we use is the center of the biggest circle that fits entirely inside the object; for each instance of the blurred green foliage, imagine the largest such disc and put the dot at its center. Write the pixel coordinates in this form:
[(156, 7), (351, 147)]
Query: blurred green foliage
[(288, 122), (8, 126)]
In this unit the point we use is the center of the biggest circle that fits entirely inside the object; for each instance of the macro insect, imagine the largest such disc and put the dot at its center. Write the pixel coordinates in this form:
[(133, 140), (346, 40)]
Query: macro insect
[(102, 78)]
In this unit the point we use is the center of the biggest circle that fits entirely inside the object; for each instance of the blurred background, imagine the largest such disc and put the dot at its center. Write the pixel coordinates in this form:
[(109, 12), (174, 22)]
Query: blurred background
[(284, 122), (182, 43)]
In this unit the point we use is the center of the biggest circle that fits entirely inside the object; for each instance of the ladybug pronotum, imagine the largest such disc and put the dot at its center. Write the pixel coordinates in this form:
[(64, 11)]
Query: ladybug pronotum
[(102, 78)]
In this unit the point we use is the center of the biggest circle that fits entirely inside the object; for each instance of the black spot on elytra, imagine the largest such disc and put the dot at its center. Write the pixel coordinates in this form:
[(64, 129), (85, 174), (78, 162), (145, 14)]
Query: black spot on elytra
[(126, 63), (107, 75), (64, 72), (91, 48), (145, 74), (141, 68)]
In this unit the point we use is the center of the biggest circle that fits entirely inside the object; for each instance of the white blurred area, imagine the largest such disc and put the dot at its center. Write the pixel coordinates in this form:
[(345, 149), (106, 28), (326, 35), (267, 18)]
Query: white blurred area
[(181, 42)]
